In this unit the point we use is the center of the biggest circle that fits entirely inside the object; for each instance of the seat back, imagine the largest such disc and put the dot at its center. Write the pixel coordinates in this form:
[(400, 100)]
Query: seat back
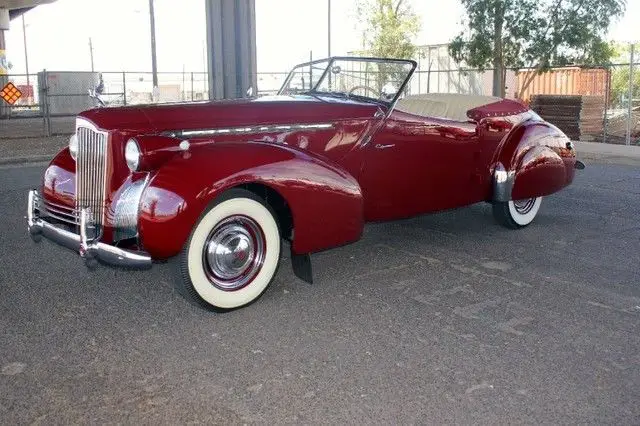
[(443, 105)]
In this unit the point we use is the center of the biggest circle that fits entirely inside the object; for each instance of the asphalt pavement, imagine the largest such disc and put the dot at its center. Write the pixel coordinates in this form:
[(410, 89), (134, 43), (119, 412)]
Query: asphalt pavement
[(445, 318)]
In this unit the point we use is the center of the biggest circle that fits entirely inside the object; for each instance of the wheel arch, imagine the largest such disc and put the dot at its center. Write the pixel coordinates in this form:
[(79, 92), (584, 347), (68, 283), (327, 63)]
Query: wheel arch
[(277, 202), (534, 159), (318, 205)]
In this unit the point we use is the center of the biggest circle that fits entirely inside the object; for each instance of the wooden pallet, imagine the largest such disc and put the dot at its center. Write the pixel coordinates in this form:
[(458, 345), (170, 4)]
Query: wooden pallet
[(579, 117)]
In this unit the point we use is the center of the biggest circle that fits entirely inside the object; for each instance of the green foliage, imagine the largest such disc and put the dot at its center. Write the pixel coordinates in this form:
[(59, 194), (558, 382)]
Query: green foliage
[(535, 33), (620, 75), (390, 26)]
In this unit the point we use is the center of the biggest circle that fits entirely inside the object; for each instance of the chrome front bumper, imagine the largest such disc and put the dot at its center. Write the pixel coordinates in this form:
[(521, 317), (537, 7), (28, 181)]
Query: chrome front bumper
[(91, 251)]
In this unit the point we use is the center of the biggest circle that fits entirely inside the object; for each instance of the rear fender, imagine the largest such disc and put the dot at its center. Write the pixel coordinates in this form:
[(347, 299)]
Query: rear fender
[(535, 159), (325, 202)]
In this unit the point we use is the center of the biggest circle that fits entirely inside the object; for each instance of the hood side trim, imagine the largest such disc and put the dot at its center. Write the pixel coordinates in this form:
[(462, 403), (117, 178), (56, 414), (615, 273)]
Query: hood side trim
[(247, 130)]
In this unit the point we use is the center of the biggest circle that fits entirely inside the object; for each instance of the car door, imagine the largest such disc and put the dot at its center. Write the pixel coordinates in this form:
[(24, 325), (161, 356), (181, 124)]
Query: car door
[(415, 165)]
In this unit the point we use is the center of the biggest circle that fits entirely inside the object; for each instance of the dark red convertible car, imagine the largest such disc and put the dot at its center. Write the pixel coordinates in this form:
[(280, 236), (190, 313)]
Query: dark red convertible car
[(220, 185)]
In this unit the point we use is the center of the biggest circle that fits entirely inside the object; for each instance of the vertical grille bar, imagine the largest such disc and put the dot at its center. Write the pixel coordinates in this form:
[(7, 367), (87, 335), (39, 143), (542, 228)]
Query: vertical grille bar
[(91, 168)]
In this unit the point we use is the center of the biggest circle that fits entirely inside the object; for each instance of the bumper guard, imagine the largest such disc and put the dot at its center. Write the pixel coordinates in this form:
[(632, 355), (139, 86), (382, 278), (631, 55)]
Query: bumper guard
[(90, 250)]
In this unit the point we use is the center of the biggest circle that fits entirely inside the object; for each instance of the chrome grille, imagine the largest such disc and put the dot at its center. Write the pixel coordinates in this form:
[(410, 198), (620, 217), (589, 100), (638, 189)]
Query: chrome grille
[(91, 169), (58, 212)]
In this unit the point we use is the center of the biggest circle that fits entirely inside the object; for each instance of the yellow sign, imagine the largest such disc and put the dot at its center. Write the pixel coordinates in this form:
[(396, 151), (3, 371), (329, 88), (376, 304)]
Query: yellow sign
[(10, 93), (4, 65)]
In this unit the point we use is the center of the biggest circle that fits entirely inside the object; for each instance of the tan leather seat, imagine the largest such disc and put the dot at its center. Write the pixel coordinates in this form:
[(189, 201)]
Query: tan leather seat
[(443, 105)]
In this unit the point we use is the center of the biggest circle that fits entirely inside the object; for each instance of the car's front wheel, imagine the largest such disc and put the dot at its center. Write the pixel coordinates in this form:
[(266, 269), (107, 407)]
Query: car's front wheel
[(232, 254), (517, 214)]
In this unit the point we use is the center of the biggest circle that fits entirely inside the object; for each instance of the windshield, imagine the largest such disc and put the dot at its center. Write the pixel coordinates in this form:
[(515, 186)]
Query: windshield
[(378, 80)]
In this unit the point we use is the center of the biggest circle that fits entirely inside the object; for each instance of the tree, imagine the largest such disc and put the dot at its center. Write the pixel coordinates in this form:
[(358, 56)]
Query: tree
[(620, 75), (536, 34), (390, 28)]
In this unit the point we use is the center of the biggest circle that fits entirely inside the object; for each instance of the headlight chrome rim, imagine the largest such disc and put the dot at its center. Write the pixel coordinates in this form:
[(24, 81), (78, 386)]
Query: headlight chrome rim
[(132, 154), (73, 146)]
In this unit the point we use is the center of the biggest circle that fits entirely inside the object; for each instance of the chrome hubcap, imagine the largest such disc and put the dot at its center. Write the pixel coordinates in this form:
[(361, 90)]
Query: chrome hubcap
[(234, 253), (524, 206)]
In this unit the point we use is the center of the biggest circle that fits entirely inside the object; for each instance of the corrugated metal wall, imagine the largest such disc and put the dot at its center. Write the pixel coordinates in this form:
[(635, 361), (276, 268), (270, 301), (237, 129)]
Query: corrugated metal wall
[(565, 81)]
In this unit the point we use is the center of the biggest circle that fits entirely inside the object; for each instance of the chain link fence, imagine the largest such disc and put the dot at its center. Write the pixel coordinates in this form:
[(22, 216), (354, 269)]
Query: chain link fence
[(600, 104), (51, 99)]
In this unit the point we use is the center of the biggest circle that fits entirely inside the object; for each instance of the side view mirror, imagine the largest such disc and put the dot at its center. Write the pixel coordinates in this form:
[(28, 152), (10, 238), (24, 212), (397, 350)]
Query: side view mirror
[(389, 91)]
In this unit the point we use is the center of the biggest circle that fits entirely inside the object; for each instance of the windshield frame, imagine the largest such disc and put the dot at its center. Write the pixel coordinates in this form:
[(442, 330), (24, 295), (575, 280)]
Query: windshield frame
[(329, 61)]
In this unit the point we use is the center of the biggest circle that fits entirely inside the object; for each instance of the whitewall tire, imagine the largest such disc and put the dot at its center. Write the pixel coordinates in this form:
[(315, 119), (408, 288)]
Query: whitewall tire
[(517, 213), (232, 254)]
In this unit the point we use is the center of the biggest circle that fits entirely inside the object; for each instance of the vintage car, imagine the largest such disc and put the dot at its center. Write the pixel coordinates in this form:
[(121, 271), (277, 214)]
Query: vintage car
[(220, 185)]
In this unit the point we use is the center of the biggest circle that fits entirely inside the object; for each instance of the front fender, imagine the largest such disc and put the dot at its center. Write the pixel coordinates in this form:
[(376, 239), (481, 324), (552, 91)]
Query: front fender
[(535, 159), (325, 201), (59, 180)]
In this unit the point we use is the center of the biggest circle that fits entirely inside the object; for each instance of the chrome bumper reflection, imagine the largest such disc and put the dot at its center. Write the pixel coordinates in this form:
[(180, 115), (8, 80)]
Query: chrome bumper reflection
[(90, 250)]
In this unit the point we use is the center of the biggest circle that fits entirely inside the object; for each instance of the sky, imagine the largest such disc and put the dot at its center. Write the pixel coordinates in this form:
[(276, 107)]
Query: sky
[(288, 31)]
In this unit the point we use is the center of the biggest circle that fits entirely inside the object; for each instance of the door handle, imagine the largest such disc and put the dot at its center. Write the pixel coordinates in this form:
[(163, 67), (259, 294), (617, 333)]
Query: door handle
[(380, 146)]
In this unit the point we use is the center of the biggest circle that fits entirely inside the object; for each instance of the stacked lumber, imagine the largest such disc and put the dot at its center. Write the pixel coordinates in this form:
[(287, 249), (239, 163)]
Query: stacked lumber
[(592, 117), (579, 117)]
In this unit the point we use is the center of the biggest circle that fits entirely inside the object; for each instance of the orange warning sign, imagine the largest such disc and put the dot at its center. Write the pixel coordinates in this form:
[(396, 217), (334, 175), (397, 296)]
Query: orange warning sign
[(10, 93)]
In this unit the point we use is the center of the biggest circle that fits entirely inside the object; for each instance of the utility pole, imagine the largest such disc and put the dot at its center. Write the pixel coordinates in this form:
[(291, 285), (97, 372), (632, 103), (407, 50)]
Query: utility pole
[(154, 63), (26, 57), (91, 53), (329, 27), (498, 80), (630, 106)]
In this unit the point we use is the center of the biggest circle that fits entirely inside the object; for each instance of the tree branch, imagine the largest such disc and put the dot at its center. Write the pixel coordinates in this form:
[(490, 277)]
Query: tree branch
[(397, 9), (543, 58)]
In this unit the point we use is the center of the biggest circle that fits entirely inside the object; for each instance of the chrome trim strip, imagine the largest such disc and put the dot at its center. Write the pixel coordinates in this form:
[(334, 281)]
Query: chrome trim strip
[(124, 210), (59, 210), (502, 183), (270, 128), (70, 220), (56, 205), (84, 241), (89, 249), (31, 204)]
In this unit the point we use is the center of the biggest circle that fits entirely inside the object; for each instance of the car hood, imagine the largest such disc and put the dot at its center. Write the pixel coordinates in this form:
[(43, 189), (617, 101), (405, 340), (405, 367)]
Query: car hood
[(227, 114)]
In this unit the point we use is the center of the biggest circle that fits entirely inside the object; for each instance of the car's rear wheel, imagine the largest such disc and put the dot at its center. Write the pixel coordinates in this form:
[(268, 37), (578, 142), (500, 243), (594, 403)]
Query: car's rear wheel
[(232, 254), (517, 214)]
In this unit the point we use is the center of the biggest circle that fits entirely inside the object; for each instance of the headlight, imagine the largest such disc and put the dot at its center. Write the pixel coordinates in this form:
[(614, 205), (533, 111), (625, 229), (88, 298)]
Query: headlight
[(73, 146), (132, 154)]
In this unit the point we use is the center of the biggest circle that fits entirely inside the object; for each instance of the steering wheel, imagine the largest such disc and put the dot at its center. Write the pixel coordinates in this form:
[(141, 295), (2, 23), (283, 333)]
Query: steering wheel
[(366, 88)]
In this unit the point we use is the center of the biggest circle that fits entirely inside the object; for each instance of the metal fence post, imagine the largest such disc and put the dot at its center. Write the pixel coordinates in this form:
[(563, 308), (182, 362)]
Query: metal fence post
[(607, 98), (191, 86), (46, 113), (124, 88), (630, 106)]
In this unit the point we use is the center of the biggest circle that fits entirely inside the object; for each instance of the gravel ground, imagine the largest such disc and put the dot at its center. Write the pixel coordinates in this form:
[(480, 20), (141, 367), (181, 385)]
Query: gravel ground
[(24, 140), (446, 318), (30, 149)]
